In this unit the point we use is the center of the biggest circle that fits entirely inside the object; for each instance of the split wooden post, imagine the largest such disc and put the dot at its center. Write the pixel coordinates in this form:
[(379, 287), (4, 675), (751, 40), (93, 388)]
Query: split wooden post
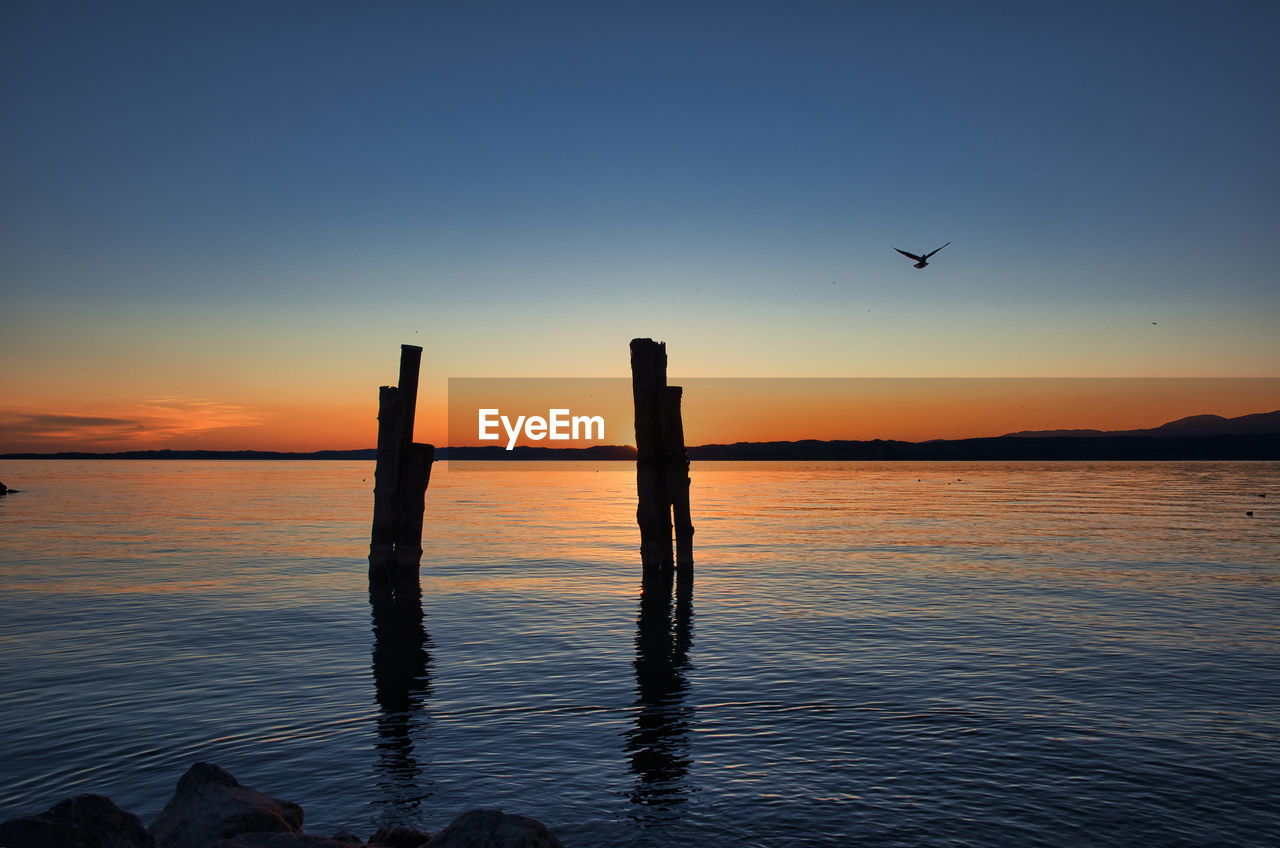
[(662, 463), (415, 475), (382, 543), (410, 363), (400, 481), (677, 474)]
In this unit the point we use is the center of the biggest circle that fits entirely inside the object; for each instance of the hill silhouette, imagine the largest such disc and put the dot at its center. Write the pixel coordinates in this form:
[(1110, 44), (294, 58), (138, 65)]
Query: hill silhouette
[(1197, 437), (1193, 426)]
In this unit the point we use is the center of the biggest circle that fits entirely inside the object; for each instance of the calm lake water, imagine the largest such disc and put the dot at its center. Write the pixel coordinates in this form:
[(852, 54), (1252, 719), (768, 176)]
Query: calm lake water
[(953, 654)]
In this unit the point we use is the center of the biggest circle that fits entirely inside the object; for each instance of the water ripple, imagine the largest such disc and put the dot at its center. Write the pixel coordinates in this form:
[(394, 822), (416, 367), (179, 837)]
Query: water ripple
[(958, 654)]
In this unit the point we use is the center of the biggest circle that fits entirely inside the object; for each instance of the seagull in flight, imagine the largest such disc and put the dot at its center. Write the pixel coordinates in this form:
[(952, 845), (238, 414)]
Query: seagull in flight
[(921, 261)]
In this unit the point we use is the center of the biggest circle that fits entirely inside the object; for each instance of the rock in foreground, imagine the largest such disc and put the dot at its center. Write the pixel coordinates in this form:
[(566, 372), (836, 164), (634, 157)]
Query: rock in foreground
[(399, 836), (210, 805), (85, 821), (494, 829), (211, 809), (287, 840)]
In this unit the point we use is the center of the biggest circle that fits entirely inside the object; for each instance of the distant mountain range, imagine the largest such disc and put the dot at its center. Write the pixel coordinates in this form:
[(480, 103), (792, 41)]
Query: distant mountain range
[(1194, 425), (1199, 437)]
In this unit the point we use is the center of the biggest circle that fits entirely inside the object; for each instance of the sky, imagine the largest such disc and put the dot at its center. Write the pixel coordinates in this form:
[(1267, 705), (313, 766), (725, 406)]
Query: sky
[(219, 221)]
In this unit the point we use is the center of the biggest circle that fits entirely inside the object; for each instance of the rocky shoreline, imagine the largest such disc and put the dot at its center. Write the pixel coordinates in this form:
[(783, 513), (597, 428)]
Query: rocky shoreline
[(211, 809)]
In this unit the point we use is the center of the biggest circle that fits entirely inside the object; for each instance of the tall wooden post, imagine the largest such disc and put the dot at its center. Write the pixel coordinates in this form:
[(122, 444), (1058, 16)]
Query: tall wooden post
[(400, 481), (653, 512), (662, 463), (386, 474), (410, 363)]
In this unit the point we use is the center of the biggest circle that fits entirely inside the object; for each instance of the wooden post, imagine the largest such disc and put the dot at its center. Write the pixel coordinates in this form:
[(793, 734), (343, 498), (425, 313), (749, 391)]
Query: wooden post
[(415, 475), (400, 478), (386, 473), (653, 512), (410, 362), (677, 474)]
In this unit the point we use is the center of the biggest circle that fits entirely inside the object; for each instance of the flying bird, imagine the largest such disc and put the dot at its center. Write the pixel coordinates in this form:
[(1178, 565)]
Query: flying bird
[(921, 261)]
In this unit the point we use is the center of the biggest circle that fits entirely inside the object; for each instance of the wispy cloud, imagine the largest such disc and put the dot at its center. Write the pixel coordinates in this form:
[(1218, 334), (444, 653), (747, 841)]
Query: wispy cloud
[(151, 422), (170, 417), (54, 426)]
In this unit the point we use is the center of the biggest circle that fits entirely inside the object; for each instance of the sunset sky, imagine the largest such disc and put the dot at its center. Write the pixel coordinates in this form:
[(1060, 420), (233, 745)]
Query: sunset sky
[(220, 220)]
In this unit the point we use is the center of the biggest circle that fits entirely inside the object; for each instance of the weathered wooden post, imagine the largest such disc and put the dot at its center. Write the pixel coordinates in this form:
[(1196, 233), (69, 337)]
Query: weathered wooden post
[(662, 463), (653, 512), (415, 475), (677, 474), (400, 481), (410, 363), (382, 543)]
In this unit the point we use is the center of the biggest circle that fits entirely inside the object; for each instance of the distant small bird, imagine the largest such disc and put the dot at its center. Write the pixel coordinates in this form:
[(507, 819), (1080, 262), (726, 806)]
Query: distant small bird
[(921, 261)]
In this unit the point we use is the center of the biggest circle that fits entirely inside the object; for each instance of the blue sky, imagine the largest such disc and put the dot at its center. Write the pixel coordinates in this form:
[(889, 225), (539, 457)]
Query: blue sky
[(199, 197)]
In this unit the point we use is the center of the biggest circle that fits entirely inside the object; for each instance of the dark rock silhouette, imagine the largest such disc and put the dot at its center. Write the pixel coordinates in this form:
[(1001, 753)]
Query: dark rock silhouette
[(85, 821), (399, 837), (210, 805), (211, 809), (288, 840), (494, 829)]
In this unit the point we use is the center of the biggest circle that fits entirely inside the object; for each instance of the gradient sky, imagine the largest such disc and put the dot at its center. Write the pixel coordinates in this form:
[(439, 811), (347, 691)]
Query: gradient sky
[(219, 221)]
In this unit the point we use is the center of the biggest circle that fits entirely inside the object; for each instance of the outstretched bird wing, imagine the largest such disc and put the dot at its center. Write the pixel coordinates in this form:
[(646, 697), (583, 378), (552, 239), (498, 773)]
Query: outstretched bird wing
[(927, 255), (913, 256)]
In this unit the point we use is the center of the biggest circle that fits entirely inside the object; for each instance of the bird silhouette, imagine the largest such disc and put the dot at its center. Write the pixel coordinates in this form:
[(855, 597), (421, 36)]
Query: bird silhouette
[(921, 261)]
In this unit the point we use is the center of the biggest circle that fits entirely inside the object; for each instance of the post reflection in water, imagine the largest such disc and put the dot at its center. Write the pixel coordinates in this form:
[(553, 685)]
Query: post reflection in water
[(658, 745), (402, 686)]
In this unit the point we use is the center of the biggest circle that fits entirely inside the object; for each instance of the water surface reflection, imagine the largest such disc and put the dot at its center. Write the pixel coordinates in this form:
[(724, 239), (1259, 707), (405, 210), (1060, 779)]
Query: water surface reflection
[(402, 687), (657, 746)]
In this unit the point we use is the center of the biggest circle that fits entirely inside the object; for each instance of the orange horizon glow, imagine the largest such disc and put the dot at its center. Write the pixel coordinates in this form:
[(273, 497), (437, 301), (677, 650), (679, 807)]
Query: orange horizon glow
[(716, 411)]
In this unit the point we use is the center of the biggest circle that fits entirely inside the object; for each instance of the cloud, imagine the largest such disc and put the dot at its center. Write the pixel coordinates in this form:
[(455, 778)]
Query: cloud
[(152, 422), (171, 417), (54, 426)]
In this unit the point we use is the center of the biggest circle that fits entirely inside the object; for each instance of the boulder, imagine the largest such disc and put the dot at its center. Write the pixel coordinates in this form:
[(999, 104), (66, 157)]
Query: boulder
[(210, 805), (286, 840), (211, 809), (85, 821), (399, 837), (494, 829)]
